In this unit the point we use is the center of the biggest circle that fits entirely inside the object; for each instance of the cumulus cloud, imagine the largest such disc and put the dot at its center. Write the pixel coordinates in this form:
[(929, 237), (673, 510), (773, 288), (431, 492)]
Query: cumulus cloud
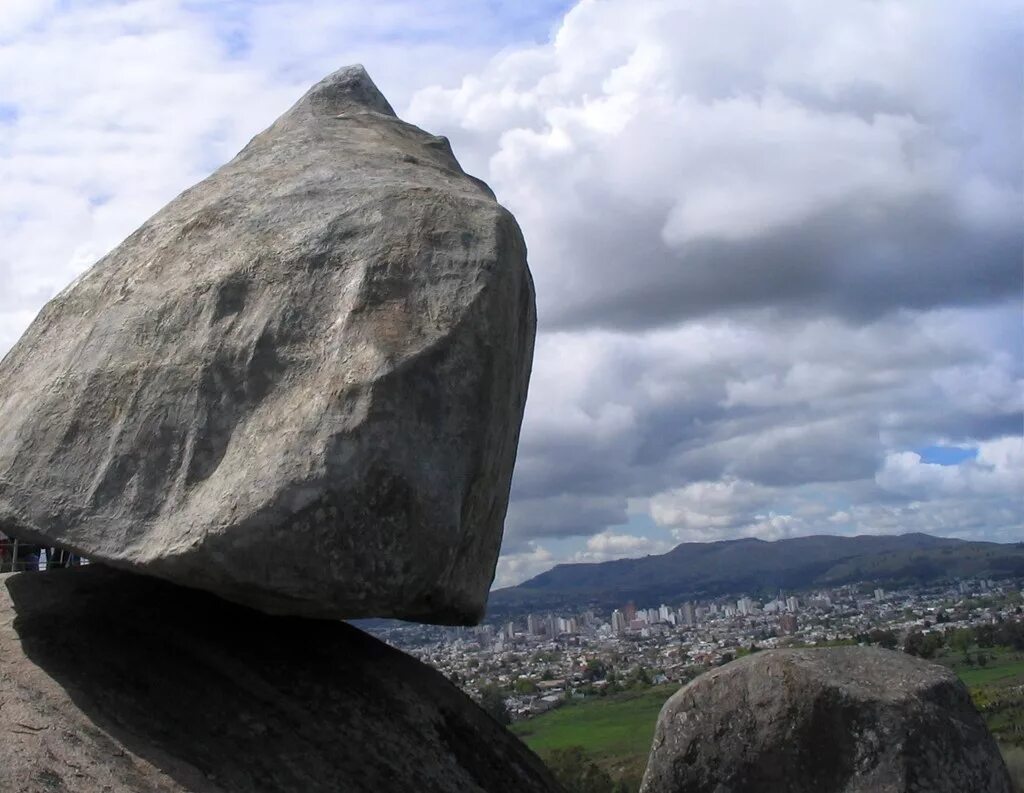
[(611, 545), (997, 470), (671, 159), (722, 504), (517, 566)]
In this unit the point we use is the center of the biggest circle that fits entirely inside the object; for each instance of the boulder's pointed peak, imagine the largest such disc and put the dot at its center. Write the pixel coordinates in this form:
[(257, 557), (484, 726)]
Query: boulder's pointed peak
[(349, 89)]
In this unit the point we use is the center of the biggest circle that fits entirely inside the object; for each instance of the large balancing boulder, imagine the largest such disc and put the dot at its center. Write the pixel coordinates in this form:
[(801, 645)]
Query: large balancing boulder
[(299, 385), (844, 720), (112, 682)]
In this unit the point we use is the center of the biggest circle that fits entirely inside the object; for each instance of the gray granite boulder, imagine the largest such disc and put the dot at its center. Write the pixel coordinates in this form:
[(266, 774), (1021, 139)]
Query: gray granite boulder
[(112, 682), (844, 720), (299, 385)]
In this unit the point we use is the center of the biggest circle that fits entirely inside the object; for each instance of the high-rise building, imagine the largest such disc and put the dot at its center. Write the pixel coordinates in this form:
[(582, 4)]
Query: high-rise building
[(689, 615), (629, 611), (792, 604), (744, 605), (532, 625), (510, 630), (879, 595), (618, 622)]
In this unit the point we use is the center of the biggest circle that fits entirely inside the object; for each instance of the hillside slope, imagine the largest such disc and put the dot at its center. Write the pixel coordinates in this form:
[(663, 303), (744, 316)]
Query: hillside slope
[(703, 570)]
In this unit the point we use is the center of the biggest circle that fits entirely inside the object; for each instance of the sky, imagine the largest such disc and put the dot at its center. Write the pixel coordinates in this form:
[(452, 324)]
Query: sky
[(777, 246)]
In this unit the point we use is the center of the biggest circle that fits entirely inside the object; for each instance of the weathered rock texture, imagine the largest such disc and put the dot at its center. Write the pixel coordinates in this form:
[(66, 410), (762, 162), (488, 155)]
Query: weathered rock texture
[(845, 720), (299, 385), (116, 682)]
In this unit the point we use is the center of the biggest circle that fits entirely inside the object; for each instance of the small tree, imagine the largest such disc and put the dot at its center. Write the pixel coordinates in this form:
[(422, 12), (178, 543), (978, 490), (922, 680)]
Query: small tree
[(921, 645), (961, 639), (525, 686), (882, 638)]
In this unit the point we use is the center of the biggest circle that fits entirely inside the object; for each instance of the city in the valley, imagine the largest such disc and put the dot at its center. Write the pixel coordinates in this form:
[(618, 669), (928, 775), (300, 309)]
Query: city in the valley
[(539, 661)]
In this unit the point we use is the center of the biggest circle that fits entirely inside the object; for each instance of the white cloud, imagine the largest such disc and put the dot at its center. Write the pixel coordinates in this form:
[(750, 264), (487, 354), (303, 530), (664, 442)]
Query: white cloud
[(19, 15), (668, 159), (514, 568), (611, 545), (998, 470), (988, 519), (722, 504)]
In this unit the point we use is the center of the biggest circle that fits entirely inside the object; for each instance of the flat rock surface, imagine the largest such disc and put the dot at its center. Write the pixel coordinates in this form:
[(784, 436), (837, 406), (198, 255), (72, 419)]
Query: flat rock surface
[(115, 682), (298, 385), (843, 720)]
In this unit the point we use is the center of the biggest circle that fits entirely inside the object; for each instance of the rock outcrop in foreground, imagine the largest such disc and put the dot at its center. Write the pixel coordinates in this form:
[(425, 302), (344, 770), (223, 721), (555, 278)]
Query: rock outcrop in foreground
[(299, 385), (844, 720), (120, 683)]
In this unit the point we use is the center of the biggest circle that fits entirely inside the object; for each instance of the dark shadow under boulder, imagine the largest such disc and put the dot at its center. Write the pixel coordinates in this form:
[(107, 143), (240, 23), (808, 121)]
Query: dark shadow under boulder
[(115, 682)]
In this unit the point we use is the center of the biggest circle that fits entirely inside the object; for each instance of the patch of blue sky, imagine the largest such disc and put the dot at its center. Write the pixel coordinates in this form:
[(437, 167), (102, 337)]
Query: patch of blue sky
[(494, 22), (947, 455), (236, 42), (8, 113)]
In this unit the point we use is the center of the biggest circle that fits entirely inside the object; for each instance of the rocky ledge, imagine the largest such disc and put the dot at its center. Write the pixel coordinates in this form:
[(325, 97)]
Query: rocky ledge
[(119, 683)]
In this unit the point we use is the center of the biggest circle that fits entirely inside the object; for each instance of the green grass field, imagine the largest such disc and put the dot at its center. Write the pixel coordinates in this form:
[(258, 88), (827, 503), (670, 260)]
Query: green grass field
[(1007, 666), (616, 731), (1006, 672)]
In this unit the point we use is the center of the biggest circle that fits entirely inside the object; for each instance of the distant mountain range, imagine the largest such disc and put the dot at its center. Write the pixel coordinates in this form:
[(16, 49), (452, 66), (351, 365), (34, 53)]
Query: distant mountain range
[(706, 570)]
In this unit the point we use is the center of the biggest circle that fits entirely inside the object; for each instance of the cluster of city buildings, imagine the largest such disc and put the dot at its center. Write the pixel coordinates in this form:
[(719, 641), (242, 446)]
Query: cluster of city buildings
[(543, 659)]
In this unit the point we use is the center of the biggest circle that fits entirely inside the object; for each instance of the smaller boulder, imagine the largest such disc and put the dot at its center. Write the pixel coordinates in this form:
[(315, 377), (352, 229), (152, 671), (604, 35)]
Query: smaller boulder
[(843, 720)]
